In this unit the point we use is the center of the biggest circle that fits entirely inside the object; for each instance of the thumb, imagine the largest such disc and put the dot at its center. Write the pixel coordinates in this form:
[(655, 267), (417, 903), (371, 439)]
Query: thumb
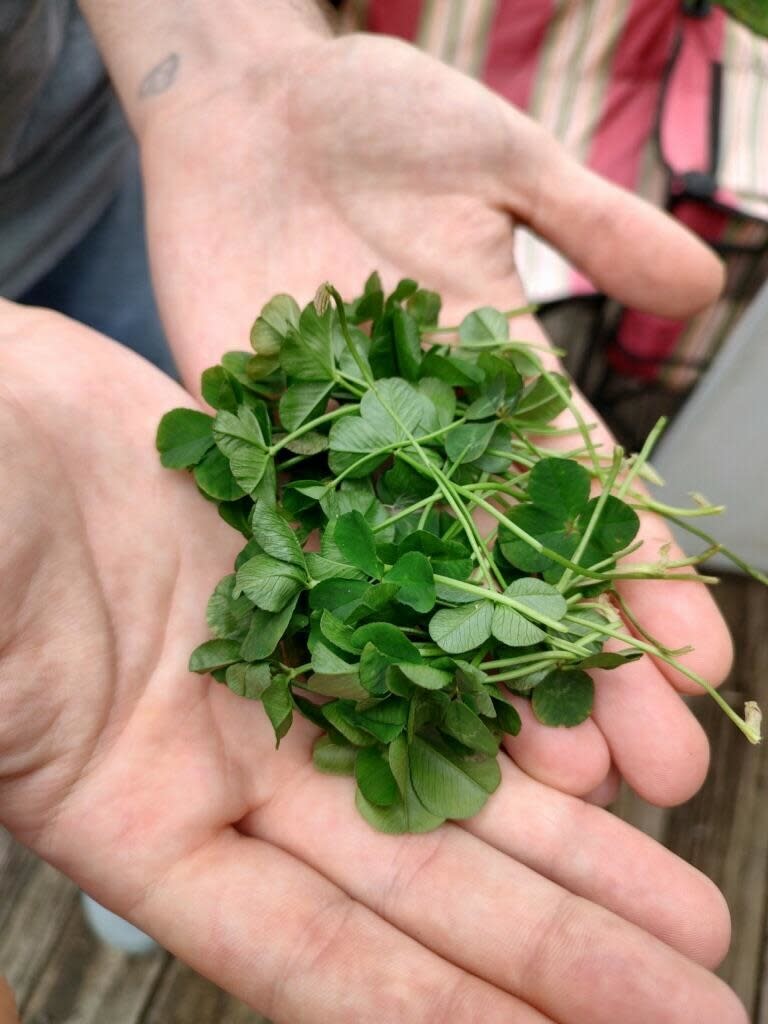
[(623, 244)]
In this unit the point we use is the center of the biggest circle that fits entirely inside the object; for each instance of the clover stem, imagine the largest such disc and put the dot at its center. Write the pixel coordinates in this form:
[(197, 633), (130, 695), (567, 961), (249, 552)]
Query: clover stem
[(584, 428), (305, 428), (637, 625), (436, 474), (458, 510), (290, 463), (660, 573), (364, 368), (495, 487), (491, 595), (642, 501), (352, 384), (492, 342), (531, 541), (449, 474), (726, 552), (751, 731), (604, 563), (404, 513), (521, 659), (506, 677), (641, 458), (597, 511)]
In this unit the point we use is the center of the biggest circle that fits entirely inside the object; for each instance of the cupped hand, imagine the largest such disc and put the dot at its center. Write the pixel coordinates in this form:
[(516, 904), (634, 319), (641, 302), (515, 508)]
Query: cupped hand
[(361, 152), (162, 795)]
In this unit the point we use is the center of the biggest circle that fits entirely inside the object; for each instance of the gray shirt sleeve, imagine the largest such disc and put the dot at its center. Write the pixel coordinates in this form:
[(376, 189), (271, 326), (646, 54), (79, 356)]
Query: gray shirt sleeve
[(63, 139)]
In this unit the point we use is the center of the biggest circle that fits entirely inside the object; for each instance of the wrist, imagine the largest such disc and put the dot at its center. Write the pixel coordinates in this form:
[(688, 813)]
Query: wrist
[(173, 54)]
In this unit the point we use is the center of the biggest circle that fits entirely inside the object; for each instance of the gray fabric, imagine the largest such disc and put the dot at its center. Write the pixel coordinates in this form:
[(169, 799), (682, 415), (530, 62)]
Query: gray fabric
[(719, 444), (63, 138)]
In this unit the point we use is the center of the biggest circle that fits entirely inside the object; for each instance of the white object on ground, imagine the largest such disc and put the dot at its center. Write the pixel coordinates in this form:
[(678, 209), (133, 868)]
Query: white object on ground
[(115, 931)]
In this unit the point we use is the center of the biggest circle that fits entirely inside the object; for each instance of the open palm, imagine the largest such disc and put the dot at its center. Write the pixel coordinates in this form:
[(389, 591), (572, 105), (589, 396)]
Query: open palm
[(161, 793), (362, 152)]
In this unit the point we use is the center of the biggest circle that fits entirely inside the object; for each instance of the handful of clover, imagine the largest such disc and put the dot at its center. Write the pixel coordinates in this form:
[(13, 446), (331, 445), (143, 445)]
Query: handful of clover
[(368, 597)]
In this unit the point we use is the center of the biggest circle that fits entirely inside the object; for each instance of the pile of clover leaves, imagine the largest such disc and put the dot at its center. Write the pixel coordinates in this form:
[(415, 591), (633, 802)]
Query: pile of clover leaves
[(353, 451)]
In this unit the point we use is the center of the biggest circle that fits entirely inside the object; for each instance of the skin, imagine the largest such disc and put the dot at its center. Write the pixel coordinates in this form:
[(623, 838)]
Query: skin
[(162, 795), (322, 165)]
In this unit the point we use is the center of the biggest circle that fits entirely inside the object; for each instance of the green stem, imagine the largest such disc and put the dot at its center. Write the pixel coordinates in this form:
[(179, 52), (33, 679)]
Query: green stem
[(628, 614), (531, 541), (519, 311), (506, 677), (751, 731), (660, 573), (436, 497), (639, 460), (349, 383), (491, 595), (305, 428), (642, 501), (437, 474), (495, 488), (459, 511), (584, 429), (597, 511), (290, 463), (730, 555), (576, 581), (404, 513), (362, 366), (521, 659)]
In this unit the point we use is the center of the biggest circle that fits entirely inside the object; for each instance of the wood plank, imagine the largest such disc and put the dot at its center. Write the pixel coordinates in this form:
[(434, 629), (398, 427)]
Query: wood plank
[(723, 831), (184, 997), (16, 865), (36, 916), (87, 982)]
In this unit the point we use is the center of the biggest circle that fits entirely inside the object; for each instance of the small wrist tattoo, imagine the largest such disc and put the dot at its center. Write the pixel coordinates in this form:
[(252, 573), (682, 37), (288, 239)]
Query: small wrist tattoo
[(161, 77)]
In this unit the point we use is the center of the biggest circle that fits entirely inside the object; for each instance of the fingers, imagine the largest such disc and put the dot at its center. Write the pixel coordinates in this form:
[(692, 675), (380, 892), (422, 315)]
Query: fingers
[(653, 738), (678, 613), (498, 919), (608, 790), (274, 932), (572, 760), (594, 854), (626, 247), (655, 741)]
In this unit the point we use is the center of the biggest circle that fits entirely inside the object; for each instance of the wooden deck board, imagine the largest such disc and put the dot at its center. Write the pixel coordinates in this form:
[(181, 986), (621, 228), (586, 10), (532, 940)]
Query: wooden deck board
[(88, 982), (184, 996), (62, 975), (39, 905)]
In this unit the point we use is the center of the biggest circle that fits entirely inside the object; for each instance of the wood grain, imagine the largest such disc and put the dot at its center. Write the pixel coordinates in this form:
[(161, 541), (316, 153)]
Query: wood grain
[(723, 831)]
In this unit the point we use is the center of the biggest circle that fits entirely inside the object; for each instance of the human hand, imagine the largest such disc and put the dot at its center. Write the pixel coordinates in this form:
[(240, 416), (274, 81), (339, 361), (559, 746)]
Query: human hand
[(162, 795), (361, 152)]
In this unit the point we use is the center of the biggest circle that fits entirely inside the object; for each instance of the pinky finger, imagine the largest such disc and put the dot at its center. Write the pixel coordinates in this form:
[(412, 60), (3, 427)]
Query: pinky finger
[(575, 760)]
